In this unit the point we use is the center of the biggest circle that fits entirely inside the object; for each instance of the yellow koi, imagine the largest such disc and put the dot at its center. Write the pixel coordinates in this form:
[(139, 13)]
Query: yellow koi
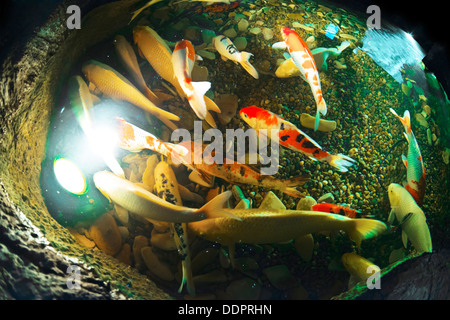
[(112, 84), (147, 205), (167, 188), (258, 226), (126, 54)]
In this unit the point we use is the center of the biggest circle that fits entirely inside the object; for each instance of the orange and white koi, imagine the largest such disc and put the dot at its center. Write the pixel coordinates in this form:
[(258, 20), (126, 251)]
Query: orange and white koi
[(228, 50), (303, 59), (135, 139), (335, 208), (183, 59), (415, 170), (235, 172), (291, 137)]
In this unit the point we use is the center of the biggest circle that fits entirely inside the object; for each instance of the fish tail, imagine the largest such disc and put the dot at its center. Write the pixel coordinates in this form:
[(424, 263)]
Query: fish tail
[(245, 63), (296, 181), (291, 191), (187, 277), (405, 120), (215, 208), (362, 229), (180, 236), (340, 161), (317, 120)]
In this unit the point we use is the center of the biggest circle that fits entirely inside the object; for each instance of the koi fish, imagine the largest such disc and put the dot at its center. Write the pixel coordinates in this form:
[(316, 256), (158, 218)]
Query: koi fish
[(415, 170), (159, 55), (358, 268), (411, 218), (337, 209), (126, 54), (135, 139), (156, 51), (112, 84), (166, 186), (289, 136), (237, 172), (303, 59), (138, 200), (257, 226), (183, 60), (288, 68), (228, 50)]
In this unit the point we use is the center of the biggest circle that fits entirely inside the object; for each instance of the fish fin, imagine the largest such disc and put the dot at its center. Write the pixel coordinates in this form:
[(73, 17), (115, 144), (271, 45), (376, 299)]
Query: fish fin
[(201, 87), (340, 161), (406, 218), (287, 56), (224, 58), (214, 208), (296, 181), (304, 246), (362, 229), (245, 63), (391, 217), (279, 45), (199, 178), (406, 136), (405, 120), (211, 105), (404, 239), (405, 160), (210, 120)]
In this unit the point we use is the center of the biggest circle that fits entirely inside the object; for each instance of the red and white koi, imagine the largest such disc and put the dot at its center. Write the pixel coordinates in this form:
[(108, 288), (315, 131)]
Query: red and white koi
[(135, 139), (303, 59), (183, 59), (291, 137), (415, 170), (335, 208), (228, 50)]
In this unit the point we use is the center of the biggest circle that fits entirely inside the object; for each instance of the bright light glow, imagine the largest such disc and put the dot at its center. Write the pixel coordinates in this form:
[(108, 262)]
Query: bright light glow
[(69, 176), (103, 142)]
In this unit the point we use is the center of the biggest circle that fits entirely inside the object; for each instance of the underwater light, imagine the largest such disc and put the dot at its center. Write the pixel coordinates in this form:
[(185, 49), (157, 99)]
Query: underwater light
[(69, 176)]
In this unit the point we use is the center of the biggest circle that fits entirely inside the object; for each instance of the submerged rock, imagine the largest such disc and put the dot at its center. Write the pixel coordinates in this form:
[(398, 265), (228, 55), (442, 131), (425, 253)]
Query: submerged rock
[(106, 234)]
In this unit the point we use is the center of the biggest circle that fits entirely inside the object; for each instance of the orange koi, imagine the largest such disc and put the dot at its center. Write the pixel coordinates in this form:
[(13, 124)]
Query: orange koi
[(183, 59), (335, 208), (291, 137), (304, 61), (135, 139), (236, 172), (415, 170)]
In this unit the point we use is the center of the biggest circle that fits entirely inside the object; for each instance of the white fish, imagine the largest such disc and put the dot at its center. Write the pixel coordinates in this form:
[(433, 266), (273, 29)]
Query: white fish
[(144, 203), (228, 50), (411, 218)]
